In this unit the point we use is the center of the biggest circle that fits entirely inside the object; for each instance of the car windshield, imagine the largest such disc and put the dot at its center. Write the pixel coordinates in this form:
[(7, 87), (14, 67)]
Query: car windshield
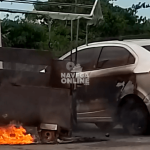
[(147, 47)]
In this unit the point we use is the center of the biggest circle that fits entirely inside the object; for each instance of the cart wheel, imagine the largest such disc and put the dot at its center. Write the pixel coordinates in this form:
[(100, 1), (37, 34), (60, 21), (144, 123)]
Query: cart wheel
[(48, 136)]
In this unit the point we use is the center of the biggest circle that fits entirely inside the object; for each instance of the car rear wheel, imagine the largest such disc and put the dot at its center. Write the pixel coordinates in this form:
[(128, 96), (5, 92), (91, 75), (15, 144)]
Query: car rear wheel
[(134, 117)]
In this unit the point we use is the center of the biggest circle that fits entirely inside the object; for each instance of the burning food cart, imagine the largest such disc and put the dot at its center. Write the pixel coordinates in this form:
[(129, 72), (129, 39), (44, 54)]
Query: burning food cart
[(34, 98), (40, 99)]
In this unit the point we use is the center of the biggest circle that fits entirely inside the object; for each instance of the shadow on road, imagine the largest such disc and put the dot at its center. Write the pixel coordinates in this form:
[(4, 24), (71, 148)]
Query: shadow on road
[(93, 130)]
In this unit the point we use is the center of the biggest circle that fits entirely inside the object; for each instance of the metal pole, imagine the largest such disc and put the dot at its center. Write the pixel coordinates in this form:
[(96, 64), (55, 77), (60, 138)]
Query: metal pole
[(77, 36), (1, 63), (71, 85), (87, 34), (71, 39), (49, 27)]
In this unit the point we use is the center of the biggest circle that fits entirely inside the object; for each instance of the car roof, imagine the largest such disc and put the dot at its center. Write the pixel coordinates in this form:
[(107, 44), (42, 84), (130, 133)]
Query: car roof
[(96, 44), (142, 54), (140, 42)]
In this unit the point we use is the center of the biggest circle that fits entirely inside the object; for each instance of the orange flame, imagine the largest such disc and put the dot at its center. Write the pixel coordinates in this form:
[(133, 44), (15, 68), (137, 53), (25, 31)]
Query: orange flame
[(12, 135)]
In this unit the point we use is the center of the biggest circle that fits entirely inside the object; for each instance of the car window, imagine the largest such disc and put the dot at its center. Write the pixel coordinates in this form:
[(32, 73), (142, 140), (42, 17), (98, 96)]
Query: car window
[(68, 57), (87, 57), (114, 56), (85, 54), (147, 47)]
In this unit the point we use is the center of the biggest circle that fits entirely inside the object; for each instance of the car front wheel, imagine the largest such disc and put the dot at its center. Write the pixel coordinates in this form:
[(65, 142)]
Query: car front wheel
[(134, 117)]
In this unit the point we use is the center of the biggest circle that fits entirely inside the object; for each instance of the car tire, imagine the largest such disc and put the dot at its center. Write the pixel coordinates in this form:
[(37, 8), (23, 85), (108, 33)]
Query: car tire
[(134, 117)]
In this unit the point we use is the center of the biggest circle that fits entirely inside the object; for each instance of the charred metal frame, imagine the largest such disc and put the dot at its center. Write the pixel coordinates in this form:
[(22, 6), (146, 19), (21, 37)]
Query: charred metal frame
[(93, 17), (44, 85)]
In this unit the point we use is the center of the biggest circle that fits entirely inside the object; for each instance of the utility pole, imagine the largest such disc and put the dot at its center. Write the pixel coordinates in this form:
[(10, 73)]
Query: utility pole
[(1, 63)]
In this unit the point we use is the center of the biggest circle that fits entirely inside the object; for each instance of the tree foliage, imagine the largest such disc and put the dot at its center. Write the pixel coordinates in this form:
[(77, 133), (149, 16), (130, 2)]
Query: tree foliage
[(21, 33), (28, 33)]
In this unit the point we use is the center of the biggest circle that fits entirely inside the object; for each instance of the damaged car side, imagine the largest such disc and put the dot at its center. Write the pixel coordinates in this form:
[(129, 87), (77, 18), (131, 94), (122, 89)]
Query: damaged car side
[(119, 75)]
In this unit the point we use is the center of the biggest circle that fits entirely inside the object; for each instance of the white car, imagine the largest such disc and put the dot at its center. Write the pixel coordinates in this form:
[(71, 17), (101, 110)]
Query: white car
[(119, 90)]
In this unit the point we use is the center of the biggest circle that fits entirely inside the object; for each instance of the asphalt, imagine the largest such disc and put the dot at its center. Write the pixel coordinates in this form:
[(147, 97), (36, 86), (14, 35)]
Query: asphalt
[(94, 138)]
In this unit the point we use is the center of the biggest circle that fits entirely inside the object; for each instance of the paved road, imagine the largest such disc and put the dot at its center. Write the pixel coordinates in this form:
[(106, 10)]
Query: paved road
[(118, 140)]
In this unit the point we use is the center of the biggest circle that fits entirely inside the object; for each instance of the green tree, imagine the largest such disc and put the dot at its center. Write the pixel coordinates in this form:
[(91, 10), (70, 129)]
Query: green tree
[(27, 33), (21, 33)]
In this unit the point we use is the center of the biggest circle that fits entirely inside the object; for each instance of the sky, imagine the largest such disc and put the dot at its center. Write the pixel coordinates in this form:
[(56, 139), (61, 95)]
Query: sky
[(121, 3), (128, 3)]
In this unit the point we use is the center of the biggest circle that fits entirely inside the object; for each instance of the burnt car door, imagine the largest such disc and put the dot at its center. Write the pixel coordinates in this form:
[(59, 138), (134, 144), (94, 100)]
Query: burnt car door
[(114, 69)]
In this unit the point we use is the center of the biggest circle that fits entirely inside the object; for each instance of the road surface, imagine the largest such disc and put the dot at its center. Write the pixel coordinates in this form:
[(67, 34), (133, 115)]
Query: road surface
[(118, 140)]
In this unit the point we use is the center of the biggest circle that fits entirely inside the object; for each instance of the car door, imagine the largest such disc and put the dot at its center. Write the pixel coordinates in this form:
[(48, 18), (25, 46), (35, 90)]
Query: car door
[(113, 70)]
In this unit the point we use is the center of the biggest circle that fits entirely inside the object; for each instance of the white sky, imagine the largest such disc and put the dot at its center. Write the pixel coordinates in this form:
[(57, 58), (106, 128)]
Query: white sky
[(121, 3)]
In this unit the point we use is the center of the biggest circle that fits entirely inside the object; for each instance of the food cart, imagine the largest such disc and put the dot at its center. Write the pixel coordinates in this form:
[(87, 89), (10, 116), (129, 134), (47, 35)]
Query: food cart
[(40, 99)]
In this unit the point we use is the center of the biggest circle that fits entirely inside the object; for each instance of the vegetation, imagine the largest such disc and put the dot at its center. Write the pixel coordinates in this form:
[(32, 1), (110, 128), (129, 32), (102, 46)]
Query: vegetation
[(28, 33)]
